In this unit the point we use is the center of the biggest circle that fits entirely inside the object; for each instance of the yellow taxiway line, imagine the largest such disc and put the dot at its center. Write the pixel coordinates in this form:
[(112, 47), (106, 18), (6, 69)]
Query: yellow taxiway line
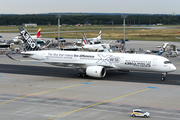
[(98, 103), (40, 93)]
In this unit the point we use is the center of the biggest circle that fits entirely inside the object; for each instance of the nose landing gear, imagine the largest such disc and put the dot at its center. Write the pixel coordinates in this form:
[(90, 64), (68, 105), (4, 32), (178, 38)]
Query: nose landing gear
[(163, 76)]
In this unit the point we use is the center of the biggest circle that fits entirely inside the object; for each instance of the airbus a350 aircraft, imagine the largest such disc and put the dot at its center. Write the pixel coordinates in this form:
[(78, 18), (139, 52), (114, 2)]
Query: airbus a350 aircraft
[(95, 64), (37, 36), (93, 47)]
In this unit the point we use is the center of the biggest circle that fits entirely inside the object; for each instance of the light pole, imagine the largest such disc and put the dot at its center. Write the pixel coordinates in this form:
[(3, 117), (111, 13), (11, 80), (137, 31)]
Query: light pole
[(58, 16), (124, 17)]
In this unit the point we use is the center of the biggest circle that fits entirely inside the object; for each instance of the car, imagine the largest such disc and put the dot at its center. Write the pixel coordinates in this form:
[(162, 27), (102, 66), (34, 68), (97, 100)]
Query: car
[(148, 51), (140, 113), (158, 46)]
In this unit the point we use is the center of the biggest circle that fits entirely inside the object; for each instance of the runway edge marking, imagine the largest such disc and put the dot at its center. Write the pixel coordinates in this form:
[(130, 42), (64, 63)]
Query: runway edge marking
[(98, 103), (40, 93)]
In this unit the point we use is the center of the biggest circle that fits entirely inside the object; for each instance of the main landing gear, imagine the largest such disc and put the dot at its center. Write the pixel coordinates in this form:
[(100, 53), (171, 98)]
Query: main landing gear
[(163, 76), (82, 74)]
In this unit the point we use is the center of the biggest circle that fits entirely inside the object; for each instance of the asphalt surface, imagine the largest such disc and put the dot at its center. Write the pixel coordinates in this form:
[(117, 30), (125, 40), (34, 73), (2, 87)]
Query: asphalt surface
[(131, 76), (38, 91)]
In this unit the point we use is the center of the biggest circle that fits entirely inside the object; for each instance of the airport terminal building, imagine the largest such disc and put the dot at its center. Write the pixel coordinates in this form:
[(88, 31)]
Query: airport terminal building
[(29, 24)]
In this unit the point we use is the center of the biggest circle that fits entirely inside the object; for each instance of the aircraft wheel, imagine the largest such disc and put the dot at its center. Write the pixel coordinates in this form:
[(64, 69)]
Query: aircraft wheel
[(163, 78), (79, 74), (84, 75)]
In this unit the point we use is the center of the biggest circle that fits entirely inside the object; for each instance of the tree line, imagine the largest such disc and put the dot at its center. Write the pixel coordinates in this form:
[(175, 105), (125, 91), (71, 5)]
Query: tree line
[(92, 19)]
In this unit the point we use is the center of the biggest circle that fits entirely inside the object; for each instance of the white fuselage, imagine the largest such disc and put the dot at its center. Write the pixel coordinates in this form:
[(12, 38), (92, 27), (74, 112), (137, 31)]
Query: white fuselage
[(94, 39), (96, 47), (115, 61)]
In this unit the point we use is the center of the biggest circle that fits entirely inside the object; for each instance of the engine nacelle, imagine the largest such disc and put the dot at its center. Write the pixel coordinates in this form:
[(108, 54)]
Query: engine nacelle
[(96, 71)]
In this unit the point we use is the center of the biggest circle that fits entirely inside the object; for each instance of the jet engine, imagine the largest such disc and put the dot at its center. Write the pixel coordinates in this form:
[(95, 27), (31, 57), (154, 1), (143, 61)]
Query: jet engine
[(96, 71)]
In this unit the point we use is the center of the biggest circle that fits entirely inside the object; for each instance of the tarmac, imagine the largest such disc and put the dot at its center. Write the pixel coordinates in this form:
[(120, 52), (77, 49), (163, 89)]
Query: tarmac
[(38, 91)]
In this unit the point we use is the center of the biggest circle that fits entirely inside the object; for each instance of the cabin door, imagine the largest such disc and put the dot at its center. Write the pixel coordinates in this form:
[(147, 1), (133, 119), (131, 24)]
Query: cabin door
[(154, 62), (122, 60), (43, 55)]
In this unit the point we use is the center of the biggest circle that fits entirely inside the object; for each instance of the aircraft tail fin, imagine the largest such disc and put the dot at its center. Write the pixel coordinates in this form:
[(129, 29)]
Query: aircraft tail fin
[(85, 41), (99, 36), (30, 44), (39, 33)]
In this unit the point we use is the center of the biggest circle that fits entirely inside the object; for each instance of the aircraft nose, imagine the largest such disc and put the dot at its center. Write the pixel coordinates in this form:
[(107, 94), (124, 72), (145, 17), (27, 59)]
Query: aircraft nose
[(173, 68)]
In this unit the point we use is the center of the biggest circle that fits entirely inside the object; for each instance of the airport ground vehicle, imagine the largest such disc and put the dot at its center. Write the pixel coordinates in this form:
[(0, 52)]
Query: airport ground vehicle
[(140, 113)]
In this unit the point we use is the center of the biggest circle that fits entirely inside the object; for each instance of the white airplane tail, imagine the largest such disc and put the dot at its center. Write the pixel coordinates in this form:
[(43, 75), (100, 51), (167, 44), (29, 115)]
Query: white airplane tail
[(99, 36), (30, 44)]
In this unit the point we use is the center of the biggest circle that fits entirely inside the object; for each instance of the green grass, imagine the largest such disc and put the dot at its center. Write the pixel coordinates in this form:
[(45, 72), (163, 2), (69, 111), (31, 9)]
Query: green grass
[(108, 32)]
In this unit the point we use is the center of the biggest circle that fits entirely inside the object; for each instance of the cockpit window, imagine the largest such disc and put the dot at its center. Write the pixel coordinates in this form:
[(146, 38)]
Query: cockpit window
[(167, 62)]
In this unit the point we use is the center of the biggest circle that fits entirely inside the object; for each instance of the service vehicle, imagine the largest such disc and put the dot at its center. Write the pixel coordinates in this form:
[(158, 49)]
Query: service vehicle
[(140, 113)]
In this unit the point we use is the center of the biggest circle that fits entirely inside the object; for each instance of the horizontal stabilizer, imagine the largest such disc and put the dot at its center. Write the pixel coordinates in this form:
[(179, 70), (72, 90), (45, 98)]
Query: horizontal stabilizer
[(10, 56), (30, 60), (25, 53)]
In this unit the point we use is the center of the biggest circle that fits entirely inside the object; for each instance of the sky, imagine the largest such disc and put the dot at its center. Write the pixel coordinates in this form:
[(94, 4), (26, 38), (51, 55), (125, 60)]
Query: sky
[(90, 6)]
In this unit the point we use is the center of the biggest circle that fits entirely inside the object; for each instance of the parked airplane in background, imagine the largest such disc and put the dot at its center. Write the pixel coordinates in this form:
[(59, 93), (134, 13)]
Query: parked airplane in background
[(95, 64), (91, 40), (37, 36), (177, 37), (93, 47), (95, 39)]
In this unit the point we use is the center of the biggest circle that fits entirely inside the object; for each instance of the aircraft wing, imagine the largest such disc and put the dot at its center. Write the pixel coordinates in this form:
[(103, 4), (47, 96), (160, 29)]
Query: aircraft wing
[(74, 63)]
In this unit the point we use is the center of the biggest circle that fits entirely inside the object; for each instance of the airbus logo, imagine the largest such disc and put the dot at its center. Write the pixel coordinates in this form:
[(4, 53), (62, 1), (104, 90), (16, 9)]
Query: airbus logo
[(28, 39)]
